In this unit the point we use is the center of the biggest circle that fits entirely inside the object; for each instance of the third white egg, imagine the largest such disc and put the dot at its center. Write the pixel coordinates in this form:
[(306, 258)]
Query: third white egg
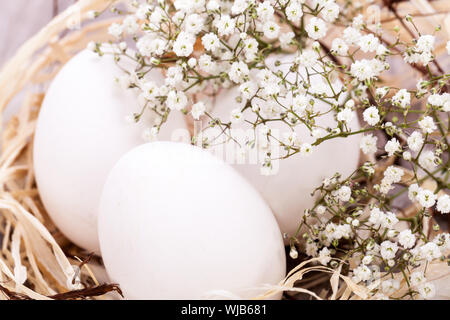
[(288, 190)]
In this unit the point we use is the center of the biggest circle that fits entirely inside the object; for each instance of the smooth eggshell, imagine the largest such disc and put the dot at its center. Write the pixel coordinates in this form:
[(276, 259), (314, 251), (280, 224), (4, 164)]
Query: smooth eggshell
[(288, 192), (81, 133), (176, 222)]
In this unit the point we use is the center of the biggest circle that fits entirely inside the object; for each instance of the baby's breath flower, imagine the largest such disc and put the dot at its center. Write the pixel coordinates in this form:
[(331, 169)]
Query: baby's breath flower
[(194, 23), (150, 134), (368, 144), (388, 250), (143, 11), (392, 175), (344, 193), (382, 50), (176, 100), (271, 29), (236, 116), (368, 43), (116, 30), (311, 249), (426, 198), (239, 6), (308, 58), (363, 70), (92, 46), (293, 253), (443, 204), (198, 110), (362, 273), (324, 256), (92, 14), (358, 21), (330, 11), (210, 41), (367, 259), (294, 11), (381, 92), (184, 45), (392, 146), (413, 191), (339, 47), (371, 115), (286, 39), (130, 25), (192, 62), (427, 160), (355, 223), (265, 10), (430, 251), (316, 28), (346, 115), (427, 124), (415, 141), (425, 43), (306, 150), (225, 25), (213, 5), (402, 98), (417, 278), (406, 239), (238, 72), (351, 35)]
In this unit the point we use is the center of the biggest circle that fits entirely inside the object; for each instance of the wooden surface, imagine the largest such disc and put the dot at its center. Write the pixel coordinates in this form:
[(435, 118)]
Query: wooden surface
[(20, 19)]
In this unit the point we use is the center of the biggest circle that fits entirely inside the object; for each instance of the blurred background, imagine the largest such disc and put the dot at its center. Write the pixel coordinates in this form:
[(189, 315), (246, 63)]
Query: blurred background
[(20, 19)]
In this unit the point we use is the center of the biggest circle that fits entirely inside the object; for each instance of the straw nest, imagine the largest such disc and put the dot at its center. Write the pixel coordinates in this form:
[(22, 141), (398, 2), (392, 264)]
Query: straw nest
[(36, 261)]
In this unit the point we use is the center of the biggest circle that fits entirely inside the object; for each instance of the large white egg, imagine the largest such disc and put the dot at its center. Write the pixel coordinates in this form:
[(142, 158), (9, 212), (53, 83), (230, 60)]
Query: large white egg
[(80, 135), (288, 190), (176, 222)]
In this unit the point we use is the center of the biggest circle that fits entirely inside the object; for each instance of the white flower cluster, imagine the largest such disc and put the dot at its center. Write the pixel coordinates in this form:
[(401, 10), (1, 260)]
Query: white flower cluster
[(440, 101), (379, 237), (422, 52), (400, 247), (428, 199), (203, 46), (391, 175), (278, 56)]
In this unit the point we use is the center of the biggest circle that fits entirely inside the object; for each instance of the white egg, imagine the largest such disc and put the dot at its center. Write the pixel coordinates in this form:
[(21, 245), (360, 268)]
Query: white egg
[(288, 190), (176, 222), (80, 135)]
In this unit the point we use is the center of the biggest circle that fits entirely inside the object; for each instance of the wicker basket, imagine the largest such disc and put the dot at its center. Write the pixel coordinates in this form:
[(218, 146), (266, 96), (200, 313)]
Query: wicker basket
[(31, 244), (32, 247)]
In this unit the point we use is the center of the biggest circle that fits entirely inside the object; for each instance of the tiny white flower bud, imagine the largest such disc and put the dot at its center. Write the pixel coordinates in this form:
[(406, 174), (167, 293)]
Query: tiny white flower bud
[(192, 62), (293, 253), (123, 46), (320, 209)]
